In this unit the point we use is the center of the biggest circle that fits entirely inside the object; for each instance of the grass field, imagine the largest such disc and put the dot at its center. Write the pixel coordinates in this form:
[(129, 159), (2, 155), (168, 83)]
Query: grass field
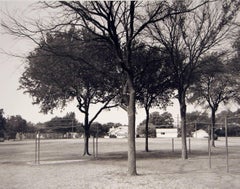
[(63, 166)]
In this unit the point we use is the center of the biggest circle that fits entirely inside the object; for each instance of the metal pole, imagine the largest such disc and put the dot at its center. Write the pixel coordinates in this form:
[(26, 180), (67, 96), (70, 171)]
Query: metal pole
[(93, 147), (39, 148), (196, 129), (36, 150), (97, 142), (96, 146), (172, 144), (72, 125), (209, 148), (189, 144), (226, 138)]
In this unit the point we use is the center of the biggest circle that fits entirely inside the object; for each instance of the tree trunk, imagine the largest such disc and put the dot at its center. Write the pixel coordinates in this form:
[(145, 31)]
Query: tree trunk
[(131, 130), (183, 109), (146, 129), (86, 143), (86, 135), (213, 126)]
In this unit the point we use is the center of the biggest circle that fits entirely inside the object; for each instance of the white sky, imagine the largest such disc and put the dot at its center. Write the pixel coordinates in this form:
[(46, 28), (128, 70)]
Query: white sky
[(14, 102)]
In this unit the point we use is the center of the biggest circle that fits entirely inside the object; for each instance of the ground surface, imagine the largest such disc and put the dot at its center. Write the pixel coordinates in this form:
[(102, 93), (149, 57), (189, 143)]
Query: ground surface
[(62, 165)]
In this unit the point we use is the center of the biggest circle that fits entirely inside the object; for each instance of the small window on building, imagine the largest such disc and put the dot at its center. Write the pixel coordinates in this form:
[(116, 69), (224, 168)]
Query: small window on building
[(162, 133)]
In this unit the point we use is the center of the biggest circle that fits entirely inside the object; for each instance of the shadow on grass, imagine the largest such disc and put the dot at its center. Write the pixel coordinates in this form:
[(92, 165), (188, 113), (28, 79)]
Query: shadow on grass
[(156, 154), (159, 154)]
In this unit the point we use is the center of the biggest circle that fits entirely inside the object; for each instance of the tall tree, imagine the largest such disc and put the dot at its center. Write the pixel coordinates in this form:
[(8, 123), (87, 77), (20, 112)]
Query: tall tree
[(58, 71), (116, 23), (187, 37), (15, 124), (216, 85), (119, 23), (154, 86)]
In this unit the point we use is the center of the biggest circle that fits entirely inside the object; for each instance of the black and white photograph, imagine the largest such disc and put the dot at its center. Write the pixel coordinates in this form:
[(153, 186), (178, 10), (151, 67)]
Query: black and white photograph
[(120, 94)]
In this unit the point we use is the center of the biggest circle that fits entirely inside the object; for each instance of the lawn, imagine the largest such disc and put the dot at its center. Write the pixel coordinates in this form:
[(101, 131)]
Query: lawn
[(63, 166)]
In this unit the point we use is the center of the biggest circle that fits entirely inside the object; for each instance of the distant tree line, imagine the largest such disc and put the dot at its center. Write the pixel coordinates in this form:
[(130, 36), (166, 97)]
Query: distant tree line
[(13, 125), (10, 126)]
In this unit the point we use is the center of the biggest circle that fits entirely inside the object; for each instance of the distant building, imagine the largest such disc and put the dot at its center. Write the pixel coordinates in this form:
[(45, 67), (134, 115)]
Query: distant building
[(119, 132), (166, 132), (200, 134), (71, 135), (20, 136)]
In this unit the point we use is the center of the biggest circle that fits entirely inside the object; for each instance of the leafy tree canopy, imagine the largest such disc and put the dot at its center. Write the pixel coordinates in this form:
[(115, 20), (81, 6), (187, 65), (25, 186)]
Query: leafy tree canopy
[(154, 85), (141, 131), (16, 124), (164, 120), (65, 67), (216, 84), (68, 123)]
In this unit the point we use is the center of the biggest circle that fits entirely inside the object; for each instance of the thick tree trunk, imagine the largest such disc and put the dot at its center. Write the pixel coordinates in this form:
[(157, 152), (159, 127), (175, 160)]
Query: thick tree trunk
[(86, 135), (183, 109), (146, 129), (132, 170), (213, 126), (86, 142)]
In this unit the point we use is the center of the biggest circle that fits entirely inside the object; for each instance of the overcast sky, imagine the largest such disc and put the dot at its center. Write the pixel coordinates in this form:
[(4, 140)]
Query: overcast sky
[(14, 102)]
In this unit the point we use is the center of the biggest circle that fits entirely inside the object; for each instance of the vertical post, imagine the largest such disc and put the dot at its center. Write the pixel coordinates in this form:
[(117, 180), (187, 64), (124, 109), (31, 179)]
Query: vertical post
[(189, 144), (209, 148), (36, 148), (72, 125), (96, 146), (226, 138), (172, 144), (196, 129), (39, 148), (97, 142), (93, 146)]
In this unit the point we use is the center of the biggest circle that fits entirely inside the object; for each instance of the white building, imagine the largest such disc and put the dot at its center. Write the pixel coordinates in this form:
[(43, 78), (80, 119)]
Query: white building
[(119, 132), (166, 132), (200, 134)]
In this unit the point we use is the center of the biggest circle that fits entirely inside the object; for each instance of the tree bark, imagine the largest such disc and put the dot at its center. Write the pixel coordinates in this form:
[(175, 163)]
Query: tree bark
[(132, 170), (213, 126), (86, 135), (183, 109), (146, 129), (86, 142)]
